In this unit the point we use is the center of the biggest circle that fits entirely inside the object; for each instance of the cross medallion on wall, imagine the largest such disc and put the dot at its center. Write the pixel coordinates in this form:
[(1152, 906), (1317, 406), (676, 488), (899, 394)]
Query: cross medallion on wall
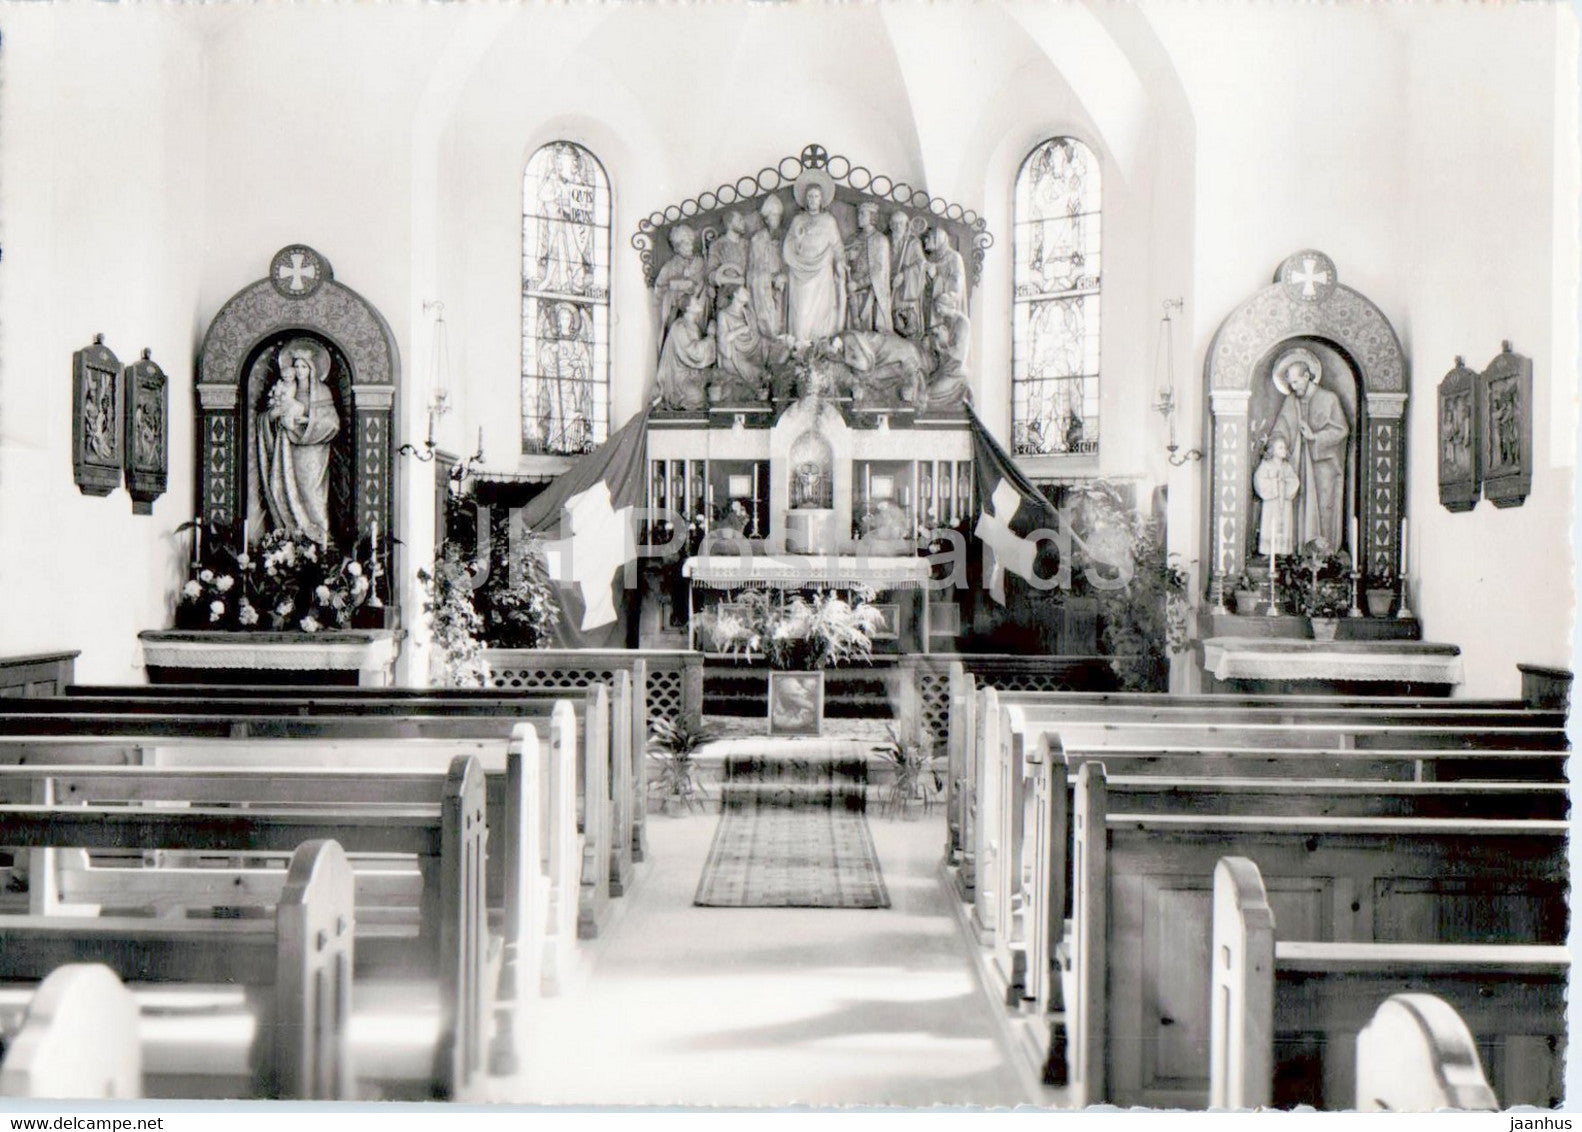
[(298, 271), (1308, 276)]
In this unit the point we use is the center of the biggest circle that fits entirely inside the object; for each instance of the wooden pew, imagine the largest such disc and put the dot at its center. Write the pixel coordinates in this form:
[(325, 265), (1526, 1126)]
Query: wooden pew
[(298, 968), (1015, 859), (451, 943), (608, 719), (1287, 1013), (1417, 1055), (1187, 724), (1027, 952), (77, 1041), (1141, 922), (628, 721)]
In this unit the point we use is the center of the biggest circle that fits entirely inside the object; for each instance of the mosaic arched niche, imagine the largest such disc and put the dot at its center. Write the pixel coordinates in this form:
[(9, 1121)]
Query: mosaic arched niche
[(299, 296), (1307, 302)]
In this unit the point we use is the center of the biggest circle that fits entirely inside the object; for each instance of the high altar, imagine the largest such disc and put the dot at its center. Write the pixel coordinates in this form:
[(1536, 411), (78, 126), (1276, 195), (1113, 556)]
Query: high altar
[(809, 428)]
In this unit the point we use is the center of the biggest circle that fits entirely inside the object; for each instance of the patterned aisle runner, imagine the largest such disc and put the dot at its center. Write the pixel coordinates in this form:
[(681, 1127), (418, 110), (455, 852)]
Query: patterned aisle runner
[(792, 856)]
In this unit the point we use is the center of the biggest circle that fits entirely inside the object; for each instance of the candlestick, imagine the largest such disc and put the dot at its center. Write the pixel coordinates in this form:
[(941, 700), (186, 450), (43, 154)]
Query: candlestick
[(1274, 599)]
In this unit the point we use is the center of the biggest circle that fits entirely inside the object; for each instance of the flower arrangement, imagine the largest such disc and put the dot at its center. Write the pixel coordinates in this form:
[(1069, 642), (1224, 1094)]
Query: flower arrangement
[(517, 602), (1315, 582), (796, 634), (286, 583), (453, 622)]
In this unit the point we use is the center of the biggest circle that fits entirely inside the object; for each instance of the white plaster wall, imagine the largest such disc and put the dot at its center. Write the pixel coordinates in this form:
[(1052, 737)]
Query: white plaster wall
[(1492, 239), (101, 202)]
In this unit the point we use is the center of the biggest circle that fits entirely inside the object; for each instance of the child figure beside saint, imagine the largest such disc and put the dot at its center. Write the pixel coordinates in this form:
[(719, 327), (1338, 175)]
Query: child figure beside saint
[(1276, 483)]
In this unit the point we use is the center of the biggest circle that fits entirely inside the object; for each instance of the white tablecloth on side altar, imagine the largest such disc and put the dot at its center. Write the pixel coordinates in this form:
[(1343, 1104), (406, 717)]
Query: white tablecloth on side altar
[(794, 571), (1259, 658)]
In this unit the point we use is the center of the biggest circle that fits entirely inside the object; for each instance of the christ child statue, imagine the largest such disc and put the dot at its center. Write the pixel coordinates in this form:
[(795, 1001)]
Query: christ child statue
[(1276, 483)]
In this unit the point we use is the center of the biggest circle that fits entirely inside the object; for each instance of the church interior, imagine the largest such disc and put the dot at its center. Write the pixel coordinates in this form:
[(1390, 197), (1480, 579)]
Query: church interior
[(994, 554)]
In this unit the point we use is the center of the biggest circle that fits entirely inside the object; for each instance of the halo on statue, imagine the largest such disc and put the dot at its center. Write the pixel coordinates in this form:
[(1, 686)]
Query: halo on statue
[(807, 180), (1290, 357), (317, 354)]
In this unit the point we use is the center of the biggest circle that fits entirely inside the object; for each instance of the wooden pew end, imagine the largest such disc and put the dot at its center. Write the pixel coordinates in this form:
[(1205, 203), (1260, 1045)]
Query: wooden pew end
[(1417, 1055), (78, 1041)]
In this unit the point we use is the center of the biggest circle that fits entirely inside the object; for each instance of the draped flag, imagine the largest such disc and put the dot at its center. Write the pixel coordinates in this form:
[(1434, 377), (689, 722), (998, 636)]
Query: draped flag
[(588, 518), (1011, 508)]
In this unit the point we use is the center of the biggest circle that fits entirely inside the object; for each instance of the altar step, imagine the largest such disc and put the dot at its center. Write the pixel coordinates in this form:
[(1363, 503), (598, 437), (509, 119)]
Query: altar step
[(849, 693)]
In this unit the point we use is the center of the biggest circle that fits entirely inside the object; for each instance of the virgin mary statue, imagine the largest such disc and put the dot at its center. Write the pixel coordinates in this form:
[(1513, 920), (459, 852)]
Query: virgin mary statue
[(294, 436)]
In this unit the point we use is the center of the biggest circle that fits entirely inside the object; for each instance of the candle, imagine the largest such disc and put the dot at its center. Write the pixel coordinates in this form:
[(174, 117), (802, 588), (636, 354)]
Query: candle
[(197, 541), (480, 442), (373, 542), (244, 536), (867, 482), (1405, 570), (1354, 544)]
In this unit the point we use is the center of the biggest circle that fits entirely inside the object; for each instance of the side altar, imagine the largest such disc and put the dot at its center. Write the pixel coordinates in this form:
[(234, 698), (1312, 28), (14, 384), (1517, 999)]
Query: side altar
[(291, 576)]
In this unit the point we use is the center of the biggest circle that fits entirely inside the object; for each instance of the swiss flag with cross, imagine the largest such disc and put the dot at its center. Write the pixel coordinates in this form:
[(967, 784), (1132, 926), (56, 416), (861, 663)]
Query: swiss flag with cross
[(1010, 509), (588, 520)]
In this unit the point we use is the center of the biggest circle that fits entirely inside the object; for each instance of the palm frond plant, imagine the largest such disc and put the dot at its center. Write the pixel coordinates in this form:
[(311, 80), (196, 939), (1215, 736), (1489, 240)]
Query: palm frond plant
[(916, 774), (672, 746)]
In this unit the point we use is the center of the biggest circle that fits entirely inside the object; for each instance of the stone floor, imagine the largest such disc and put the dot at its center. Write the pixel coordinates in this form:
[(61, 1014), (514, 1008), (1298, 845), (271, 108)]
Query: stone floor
[(772, 1007)]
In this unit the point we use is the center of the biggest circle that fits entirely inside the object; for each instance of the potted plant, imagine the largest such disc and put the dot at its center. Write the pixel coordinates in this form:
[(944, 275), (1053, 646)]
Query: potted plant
[(672, 746), (1379, 591), (1317, 584), (1244, 593), (454, 626), (800, 637), (916, 775)]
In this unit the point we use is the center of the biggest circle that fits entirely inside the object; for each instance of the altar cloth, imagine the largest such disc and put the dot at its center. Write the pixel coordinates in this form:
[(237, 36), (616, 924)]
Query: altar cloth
[(1256, 658), (795, 571)]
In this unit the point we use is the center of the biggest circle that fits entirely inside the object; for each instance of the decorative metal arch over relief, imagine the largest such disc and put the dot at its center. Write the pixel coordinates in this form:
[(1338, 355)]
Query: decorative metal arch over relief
[(1307, 298), (300, 292), (853, 183)]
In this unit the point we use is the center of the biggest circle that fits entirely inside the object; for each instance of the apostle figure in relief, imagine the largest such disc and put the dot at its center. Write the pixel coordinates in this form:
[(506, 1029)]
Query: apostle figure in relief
[(815, 259), (766, 272), (908, 277), (947, 272), (682, 276), (1313, 424), (686, 359), (1276, 484), (948, 342), (727, 258), (294, 436), (868, 259), (741, 350)]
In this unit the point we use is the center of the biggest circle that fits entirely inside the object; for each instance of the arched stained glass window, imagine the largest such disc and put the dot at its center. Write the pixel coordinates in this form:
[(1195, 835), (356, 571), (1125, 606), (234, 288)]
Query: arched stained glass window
[(1055, 336), (565, 301)]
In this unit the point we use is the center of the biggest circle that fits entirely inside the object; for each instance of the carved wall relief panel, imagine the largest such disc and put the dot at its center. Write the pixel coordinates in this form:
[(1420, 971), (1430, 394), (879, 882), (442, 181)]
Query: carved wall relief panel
[(147, 432), (96, 427)]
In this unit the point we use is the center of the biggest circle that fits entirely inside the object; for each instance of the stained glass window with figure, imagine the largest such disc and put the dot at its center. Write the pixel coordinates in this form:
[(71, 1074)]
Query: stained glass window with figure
[(565, 301), (1055, 333)]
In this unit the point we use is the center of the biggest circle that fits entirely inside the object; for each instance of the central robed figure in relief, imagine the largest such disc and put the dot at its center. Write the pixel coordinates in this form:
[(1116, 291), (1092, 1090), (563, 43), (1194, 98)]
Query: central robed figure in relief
[(815, 260)]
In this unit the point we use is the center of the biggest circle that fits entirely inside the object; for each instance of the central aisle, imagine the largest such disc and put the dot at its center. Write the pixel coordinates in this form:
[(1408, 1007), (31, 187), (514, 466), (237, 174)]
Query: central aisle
[(773, 1006)]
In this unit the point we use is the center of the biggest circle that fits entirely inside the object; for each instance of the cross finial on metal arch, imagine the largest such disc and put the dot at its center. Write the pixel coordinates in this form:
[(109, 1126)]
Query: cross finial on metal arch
[(814, 156)]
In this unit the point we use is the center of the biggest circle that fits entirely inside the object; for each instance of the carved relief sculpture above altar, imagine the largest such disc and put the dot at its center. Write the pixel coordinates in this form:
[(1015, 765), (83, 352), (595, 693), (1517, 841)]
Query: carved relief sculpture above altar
[(865, 286)]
